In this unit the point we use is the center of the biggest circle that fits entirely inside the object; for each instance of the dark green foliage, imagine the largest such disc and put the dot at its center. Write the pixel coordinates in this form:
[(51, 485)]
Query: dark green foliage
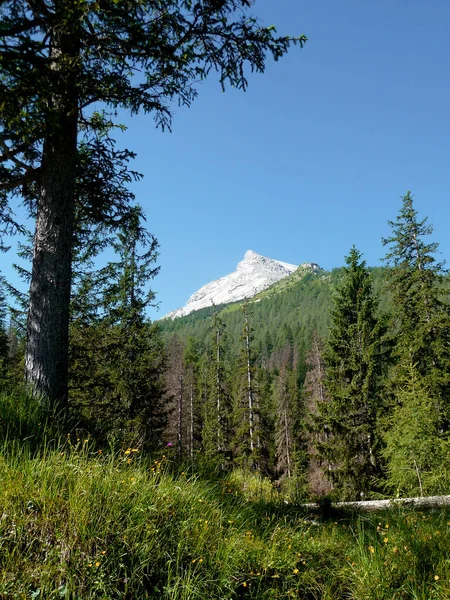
[(354, 421), (421, 312), (416, 453), (247, 440), (174, 44), (294, 314), (192, 366), (316, 433), (216, 409), (287, 417), (353, 368), (282, 328), (61, 59), (117, 355)]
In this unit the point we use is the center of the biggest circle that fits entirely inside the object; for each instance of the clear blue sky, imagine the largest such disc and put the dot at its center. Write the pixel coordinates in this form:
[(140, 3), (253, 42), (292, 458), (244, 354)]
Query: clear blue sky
[(315, 155)]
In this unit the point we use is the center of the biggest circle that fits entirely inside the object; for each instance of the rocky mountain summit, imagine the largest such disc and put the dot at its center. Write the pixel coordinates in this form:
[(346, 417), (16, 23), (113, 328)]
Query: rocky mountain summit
[(253, 274)]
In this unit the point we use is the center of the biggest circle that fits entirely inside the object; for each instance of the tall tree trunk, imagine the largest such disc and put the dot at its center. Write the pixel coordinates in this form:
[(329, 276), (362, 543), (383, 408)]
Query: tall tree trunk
[(180, 414), (218, 391), (249, 383), (191, 424), (46, 363)]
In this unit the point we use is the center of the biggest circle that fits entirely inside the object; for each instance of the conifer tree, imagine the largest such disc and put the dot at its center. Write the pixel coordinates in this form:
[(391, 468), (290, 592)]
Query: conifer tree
[(175, 386), (119, 383), (417, 455), (287, 416), (216, 417), (192, 366), (421, 314), (267, 418), (246, 410), (353, 366), (4, 346), (316, 431), (60, 60)]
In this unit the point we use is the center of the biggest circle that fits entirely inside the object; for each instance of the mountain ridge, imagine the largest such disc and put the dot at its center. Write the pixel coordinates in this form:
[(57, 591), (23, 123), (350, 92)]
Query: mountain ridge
[(253, 274)]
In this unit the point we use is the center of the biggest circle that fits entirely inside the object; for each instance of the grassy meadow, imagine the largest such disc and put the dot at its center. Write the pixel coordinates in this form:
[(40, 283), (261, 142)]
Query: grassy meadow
[(81, 522)]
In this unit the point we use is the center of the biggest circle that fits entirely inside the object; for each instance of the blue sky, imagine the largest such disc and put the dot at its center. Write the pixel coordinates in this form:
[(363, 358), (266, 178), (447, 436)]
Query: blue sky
[(314, 156)]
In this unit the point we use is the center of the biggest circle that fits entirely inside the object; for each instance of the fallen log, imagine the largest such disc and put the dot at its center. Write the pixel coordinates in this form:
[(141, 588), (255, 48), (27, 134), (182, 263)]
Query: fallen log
[(372, 505)]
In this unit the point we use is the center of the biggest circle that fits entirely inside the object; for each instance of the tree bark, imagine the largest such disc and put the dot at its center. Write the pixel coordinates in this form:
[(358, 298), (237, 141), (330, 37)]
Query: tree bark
[(46, 362), (374, 505)]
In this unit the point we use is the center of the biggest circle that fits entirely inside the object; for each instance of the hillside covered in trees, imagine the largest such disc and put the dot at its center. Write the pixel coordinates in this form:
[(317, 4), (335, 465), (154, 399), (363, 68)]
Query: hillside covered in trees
[(327, 383)]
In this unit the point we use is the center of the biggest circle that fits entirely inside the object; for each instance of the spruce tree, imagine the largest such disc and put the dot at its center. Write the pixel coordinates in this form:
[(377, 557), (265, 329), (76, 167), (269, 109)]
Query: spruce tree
[(246, 410), (216, 410), (118, 357), (416, 454), (61, 60), (420, 311), (353, 366), (287, 417)]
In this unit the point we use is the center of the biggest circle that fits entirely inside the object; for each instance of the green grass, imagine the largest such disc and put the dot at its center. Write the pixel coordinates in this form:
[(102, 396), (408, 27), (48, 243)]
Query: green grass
[(80, 523)]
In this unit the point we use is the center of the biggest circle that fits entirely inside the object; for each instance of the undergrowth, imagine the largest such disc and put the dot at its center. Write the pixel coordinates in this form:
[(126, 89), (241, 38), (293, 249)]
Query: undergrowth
[(79, 522)]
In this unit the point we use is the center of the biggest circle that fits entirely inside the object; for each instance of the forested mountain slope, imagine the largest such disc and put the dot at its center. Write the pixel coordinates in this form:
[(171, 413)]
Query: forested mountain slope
[(290, 310)]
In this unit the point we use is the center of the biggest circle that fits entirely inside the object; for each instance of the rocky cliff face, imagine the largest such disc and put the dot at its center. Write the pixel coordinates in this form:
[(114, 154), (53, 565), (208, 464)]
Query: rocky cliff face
[(253, 274)]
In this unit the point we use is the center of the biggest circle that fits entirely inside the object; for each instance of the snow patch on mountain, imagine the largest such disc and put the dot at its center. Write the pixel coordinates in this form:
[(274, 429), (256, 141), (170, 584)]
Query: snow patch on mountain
[(253, 274)]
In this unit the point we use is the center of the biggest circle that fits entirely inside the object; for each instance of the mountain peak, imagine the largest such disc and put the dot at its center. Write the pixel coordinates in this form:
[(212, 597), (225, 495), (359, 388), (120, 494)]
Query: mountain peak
[(254, 273), (251, 255)]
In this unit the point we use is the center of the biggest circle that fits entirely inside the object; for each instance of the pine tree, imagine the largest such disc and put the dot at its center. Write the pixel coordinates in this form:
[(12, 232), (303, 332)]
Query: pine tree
[(421, 315), (353, 367)]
